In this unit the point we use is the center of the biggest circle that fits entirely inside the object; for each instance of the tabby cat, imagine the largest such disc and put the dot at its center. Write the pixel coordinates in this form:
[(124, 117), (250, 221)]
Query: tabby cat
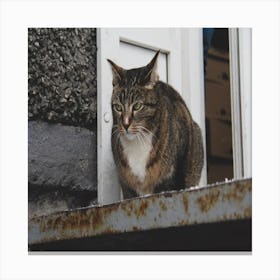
[(155, 142)]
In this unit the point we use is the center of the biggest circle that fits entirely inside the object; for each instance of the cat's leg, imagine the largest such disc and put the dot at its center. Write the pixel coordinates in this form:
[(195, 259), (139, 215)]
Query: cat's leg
[(128, 192)]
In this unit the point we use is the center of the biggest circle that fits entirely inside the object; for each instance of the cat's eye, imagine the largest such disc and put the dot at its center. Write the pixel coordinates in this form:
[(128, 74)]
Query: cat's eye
[(117, 107), (137, 106)]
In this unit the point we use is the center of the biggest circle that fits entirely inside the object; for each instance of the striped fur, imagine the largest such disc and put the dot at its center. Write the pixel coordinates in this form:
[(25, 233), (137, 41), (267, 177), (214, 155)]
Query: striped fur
[(155, 142)]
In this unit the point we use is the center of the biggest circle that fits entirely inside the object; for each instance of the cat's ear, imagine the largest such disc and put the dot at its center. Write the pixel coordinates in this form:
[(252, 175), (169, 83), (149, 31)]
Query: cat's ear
[(151, 75), (117, 72)]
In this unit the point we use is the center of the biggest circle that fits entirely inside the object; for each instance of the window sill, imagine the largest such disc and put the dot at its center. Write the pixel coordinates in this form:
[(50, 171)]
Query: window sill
[(215, 217)]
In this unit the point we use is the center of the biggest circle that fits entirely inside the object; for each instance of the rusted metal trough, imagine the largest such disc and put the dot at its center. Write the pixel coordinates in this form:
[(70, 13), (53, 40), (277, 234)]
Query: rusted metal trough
[(215, 217)]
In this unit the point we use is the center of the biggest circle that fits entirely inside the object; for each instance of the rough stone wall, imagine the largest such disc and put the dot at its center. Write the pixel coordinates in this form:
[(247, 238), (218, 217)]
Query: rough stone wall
[(62, 75), (62, 154)]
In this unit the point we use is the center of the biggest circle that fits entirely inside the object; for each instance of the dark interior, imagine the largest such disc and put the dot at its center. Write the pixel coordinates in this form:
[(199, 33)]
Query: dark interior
[(218, 108)]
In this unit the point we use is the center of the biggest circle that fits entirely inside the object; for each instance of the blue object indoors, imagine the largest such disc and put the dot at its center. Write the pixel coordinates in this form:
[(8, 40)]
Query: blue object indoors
[(207, 38)]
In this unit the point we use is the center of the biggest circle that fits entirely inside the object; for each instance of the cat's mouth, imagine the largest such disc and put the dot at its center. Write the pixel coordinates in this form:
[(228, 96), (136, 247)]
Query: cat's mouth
[(129, 134), (139, 133)]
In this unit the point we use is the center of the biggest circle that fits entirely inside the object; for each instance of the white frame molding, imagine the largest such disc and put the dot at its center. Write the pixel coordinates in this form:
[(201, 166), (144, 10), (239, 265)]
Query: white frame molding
[(245, 67), (235, 103), (106, 192), (240, 50)]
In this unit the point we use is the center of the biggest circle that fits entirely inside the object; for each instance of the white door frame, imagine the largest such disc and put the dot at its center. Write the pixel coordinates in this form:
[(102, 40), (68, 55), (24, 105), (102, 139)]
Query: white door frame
[(240, 49), (193, 83), (185, 74), (245, 58)]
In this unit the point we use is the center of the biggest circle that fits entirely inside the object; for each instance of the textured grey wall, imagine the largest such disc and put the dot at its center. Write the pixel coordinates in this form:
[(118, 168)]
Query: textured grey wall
[(62, 75), (61, 156), (62, 150)]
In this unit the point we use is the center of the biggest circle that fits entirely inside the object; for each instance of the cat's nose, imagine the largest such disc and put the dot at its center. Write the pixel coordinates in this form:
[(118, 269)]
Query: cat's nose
[(126, 126), (126, 123)]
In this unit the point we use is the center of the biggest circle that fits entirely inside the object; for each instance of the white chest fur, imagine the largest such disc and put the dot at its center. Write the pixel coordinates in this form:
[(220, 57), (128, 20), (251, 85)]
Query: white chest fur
[(137, 152)]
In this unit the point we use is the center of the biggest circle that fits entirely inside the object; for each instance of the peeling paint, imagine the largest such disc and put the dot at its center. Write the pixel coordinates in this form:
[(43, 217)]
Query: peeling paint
[(208, 201), (215, 203), (186, 203)]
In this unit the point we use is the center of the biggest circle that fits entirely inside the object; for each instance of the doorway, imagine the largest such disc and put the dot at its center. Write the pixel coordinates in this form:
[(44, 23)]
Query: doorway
[(217, 105)]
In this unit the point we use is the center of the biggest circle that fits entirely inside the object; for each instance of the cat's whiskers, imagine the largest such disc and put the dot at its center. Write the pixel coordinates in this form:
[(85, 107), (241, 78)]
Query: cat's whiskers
[(144, 137), (146, 130), (141, 139), (118, 135), (115, 131)]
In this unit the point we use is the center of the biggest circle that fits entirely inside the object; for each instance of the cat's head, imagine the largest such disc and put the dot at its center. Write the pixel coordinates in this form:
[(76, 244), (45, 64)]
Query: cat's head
[(134, 99)]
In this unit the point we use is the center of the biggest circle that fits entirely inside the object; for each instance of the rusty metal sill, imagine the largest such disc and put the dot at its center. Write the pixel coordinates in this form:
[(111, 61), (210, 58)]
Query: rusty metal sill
[(221, 203)]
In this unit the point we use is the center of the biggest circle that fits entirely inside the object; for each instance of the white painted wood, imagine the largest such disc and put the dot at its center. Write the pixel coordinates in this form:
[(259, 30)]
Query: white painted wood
[(108, 190), (234, 62), (193, 82), (175, 59), (245, 65), (134, 48), (152, 38)]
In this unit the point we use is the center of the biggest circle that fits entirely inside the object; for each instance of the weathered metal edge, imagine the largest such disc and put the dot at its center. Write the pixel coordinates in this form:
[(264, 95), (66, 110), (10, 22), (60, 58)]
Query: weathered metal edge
[(215, 203)]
